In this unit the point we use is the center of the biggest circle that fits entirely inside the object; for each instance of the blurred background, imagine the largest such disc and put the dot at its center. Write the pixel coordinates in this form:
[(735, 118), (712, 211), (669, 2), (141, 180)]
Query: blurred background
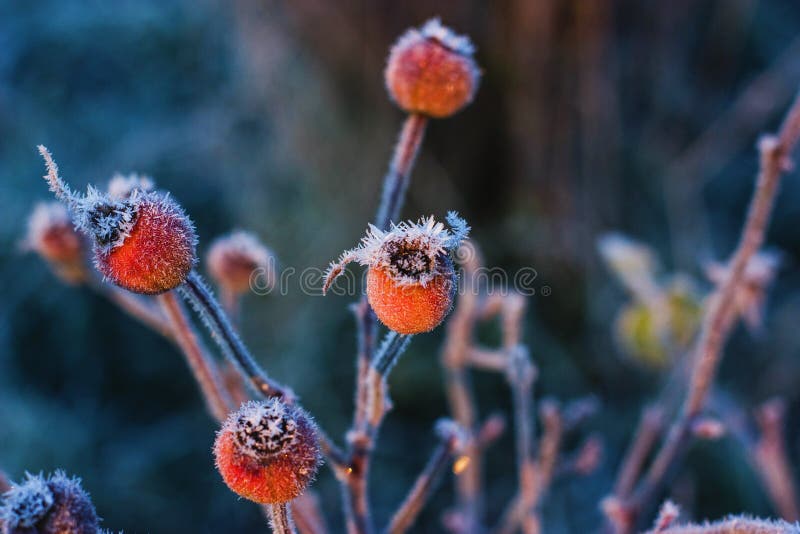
[(592, 116)]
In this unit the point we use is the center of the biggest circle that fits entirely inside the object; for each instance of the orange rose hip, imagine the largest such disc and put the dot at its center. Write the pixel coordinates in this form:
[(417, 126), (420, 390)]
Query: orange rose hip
[(431, 71), (142, 240), (267, 451), (411, 280)]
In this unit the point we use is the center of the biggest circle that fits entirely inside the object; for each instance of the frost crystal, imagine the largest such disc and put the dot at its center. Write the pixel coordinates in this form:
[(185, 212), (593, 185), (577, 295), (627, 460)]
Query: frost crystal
[(410, 251), (26, 504), (263, 428), (435, 30)]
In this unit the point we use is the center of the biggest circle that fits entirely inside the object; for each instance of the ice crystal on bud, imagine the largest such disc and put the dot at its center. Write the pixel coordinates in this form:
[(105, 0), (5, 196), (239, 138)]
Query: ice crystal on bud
[(53, 505), (411, 280), (434, 30), (409, 251), (27, 503), (143, 241)]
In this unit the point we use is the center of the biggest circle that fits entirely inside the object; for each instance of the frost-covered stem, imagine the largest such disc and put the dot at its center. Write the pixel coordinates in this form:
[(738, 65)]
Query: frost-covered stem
[(405, 516), (228, 340), (733, 525), (397, 178), (518, 511), (521, 375), (57, 185), (362, 439), (458, 341), (280, 519), (772, 459), (644, 439), (393, 346), (202, 366), (774, 161), (365, 324)]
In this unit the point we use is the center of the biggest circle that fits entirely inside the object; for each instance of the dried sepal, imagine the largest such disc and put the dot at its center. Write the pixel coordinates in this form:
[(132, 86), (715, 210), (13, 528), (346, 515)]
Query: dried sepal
[(411, 278)]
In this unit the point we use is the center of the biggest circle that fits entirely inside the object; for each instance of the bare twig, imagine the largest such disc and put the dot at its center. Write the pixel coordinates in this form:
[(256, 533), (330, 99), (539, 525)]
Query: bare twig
[(719, 318), (544, 471), (646, 435), (452, 439), (458, 342), (521, 375), (203, 367), (772, 459)]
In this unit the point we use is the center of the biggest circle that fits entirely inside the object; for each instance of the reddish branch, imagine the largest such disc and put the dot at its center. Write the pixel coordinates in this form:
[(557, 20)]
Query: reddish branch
[(719, 319)]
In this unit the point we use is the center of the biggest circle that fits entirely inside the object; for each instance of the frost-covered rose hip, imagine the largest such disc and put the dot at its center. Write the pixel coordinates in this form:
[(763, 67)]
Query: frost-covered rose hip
[(430, 71), (268, 451), (411, 279), (53, 505), (142, 240)]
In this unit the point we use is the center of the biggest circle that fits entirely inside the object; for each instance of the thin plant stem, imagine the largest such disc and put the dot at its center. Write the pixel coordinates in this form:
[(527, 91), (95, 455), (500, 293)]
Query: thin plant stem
[(393, 346), (203, 368), (406, 515), (395, 184), (521, 375), (458, 342), (718, 321), (645, 437), (396, 181), (195, 290), (362, 440), (280, 519), (771, 458)]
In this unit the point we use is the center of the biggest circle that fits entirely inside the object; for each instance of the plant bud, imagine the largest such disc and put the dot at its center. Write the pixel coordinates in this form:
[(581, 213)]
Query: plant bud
[(52, 235), (145, 244), (267, 451), (411, 280), (53, 505), (431, 71), (143, 241), (233, 260)]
